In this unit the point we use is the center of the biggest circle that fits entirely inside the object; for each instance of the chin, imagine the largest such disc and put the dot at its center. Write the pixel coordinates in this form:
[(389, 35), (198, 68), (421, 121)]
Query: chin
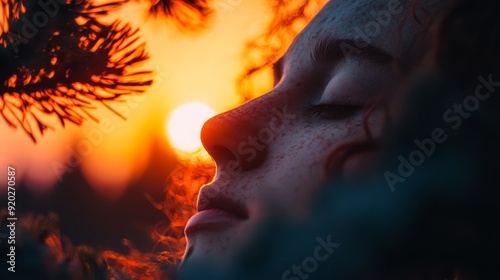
[(217, 243)]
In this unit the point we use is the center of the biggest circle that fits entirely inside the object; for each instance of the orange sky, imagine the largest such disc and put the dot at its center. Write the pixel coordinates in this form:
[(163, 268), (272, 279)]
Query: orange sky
[(189, 67)]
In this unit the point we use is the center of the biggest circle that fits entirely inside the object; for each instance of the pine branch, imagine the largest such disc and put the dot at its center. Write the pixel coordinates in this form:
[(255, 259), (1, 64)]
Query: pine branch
[(67, 64), (187, 15)]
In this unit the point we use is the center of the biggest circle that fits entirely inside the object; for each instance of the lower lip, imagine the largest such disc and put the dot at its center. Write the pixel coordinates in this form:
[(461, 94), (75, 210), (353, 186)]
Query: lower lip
[(210, 219)]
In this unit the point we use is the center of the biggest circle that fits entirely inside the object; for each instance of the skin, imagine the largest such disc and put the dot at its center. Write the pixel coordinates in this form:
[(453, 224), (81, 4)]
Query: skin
[(289, 169)]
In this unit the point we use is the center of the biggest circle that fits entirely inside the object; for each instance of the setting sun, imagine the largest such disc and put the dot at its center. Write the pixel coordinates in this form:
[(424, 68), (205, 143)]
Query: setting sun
[(185, 123)]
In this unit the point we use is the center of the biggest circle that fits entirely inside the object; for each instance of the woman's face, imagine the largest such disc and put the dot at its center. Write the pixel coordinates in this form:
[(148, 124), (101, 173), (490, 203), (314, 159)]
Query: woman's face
[(273, 151)]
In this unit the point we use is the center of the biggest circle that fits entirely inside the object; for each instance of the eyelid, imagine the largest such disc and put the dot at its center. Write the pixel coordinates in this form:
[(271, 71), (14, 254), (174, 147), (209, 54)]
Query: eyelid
[(356, 85)]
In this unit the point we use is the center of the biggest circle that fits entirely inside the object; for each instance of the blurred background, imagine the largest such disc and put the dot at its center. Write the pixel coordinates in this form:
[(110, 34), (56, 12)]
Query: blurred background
[(102, 177)]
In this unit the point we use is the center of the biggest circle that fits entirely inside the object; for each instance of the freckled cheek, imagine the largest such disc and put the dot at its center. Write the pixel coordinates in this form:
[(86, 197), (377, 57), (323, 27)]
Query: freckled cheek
[(332, 135), (304, 148)]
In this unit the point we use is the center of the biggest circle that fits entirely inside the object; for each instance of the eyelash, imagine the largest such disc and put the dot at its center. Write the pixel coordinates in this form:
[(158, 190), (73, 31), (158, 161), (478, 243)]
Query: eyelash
[(332, 111)]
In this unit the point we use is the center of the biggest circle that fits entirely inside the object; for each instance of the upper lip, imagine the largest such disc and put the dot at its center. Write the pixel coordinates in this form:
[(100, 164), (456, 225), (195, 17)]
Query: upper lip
[(225, 204)]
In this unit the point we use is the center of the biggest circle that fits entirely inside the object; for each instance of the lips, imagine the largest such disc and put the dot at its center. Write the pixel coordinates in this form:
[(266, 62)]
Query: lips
[(218, 213)]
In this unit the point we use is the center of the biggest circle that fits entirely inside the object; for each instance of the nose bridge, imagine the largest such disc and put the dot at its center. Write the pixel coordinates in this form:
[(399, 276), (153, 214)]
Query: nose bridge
[(243, 136)]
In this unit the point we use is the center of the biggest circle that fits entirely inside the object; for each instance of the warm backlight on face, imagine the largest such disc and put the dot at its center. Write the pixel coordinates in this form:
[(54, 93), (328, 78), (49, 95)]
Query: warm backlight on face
[(185, 123)]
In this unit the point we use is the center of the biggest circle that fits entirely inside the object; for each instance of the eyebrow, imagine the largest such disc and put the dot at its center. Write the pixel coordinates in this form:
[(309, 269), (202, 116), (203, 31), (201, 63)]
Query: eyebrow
[(335, 50)]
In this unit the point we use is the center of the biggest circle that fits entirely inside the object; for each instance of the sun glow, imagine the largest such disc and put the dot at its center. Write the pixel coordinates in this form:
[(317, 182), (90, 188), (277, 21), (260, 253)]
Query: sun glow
[(184, 125)]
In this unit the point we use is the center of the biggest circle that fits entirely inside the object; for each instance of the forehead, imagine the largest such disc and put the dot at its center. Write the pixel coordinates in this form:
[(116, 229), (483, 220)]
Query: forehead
[(384, 24)]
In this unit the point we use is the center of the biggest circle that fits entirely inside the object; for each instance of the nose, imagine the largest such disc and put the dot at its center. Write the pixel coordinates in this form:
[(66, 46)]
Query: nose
[(241, 138), (231, 138)]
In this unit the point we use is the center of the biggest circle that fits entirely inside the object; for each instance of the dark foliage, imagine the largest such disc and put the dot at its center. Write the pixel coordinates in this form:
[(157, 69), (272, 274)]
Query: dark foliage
[(43, 253)]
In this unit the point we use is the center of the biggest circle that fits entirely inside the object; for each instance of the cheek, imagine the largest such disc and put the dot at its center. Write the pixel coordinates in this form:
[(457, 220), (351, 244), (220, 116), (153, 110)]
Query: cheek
[(296, 170)]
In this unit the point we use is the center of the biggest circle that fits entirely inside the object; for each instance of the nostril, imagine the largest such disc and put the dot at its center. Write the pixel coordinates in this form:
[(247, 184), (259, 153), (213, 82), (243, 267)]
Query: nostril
[(221, 154), (226, 157)]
